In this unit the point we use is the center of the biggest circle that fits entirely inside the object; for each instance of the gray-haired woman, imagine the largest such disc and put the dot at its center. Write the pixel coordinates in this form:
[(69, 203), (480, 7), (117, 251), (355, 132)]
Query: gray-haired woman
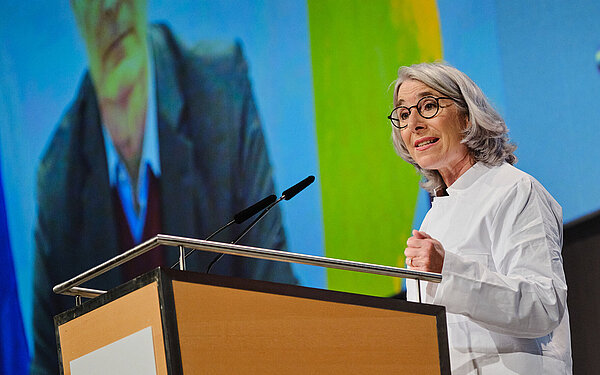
[(493, 231)]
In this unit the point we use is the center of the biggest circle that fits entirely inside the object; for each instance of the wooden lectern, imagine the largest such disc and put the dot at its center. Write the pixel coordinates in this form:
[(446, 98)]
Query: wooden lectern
[(206, 324)]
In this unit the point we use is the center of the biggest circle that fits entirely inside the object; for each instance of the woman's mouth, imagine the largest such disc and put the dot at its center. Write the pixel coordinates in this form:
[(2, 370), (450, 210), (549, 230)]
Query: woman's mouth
[(425, 143)]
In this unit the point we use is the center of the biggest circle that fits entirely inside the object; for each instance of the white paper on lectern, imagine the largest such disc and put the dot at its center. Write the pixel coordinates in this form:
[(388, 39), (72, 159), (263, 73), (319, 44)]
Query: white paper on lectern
[(131, 355)]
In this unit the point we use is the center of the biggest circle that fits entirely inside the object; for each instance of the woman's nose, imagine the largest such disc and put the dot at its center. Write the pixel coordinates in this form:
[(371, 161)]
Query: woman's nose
[(415, 121)]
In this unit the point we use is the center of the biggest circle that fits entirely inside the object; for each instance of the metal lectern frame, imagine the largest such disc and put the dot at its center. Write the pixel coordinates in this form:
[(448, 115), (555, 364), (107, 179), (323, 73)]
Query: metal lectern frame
[(72, 287)]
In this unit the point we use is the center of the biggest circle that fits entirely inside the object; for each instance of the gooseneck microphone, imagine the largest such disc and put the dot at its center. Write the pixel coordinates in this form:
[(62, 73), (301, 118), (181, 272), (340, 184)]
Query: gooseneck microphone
[(239, 218), (292, 191), (247, 213), (287, 195)]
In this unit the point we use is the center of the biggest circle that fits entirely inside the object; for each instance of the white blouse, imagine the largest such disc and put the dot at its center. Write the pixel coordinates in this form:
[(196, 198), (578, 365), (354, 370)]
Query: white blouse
[(503, 283)]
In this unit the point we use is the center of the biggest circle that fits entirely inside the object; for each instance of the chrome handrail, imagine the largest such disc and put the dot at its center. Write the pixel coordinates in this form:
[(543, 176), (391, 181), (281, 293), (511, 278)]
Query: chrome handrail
[(71, 287)]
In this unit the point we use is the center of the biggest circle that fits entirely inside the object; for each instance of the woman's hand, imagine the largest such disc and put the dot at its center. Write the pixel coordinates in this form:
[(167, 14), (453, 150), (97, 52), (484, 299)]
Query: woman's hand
[(424, 253)]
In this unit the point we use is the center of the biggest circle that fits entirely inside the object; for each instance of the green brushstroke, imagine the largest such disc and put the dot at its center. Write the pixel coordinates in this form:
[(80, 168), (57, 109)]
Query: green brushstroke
[(369, 194)]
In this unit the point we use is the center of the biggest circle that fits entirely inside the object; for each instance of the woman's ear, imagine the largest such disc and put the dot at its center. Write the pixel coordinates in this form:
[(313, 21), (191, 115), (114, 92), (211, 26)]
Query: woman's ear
[(467, 122)]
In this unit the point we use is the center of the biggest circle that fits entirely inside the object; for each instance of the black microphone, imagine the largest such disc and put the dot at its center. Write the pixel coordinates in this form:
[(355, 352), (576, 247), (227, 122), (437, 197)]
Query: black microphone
[(292, 191), (247, 213), (239, 218), (287, 195)]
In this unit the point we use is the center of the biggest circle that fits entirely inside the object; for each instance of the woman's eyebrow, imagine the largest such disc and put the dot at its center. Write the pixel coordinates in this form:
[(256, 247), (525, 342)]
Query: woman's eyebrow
[(420, 95)]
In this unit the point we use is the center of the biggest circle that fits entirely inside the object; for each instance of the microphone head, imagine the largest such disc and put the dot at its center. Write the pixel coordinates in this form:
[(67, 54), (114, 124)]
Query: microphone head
[(247, 213), (292, 191)]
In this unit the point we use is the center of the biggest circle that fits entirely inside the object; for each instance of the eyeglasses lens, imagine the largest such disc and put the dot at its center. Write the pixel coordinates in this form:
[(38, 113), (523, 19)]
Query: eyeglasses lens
[(427, 107)]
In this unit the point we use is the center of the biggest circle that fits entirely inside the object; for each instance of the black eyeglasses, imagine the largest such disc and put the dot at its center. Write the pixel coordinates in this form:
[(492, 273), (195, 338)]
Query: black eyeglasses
[(428, 107)]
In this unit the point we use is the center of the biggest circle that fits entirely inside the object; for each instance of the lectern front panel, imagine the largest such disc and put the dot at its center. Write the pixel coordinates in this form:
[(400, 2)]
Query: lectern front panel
[(231, 331)]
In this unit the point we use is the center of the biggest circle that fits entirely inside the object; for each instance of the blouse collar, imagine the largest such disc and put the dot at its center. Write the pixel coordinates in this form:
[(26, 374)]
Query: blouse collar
[(468, 178)]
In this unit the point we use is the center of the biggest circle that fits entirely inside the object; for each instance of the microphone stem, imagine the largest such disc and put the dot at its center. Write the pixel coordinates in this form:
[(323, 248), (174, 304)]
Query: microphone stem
[(206, 239), (256, 220), (219, 230), (266, 210)]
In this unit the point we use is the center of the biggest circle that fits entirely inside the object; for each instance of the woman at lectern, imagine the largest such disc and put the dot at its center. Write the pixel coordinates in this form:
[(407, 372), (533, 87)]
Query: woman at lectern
[(493, 231)]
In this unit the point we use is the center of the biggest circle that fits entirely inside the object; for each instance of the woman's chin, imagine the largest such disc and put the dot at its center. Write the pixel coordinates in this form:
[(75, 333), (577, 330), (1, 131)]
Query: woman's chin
[(428, 162)]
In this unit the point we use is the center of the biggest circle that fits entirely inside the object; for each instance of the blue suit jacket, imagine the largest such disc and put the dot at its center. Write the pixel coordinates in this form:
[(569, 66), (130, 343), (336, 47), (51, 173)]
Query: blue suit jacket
[(213, 160)]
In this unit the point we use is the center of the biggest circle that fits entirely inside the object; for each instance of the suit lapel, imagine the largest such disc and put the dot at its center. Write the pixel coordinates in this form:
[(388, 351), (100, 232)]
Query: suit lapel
[(178, 182), (99, 241)]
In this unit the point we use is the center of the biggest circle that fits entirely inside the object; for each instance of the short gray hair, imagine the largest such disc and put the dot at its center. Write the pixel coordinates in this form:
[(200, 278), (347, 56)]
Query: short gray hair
[(487, 136)]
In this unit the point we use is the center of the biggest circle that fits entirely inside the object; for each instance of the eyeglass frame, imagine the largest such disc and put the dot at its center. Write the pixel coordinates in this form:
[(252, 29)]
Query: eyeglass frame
[(437, 100)]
